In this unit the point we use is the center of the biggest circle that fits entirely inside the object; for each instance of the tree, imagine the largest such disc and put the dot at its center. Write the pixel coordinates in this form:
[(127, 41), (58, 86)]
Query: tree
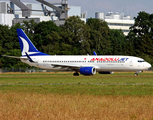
[(46, 35), (118, 42), (141, 35), (29, 27), (10, 44), (4, 41), (99, 38), (76, 33)]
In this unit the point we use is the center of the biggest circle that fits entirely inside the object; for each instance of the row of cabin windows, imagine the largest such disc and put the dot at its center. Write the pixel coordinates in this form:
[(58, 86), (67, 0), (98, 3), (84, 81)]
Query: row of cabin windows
[(85, 61)]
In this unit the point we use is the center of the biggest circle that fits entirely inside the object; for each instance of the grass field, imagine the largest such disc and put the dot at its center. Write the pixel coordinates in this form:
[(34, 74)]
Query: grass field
[(61, 96)]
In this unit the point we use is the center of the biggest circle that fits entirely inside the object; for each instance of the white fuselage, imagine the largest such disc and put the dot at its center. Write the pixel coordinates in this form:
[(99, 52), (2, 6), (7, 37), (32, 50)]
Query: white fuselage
[(101, 63)]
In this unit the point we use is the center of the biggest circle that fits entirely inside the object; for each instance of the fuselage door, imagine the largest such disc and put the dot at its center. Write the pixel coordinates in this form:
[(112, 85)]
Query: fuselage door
[(131, 63)]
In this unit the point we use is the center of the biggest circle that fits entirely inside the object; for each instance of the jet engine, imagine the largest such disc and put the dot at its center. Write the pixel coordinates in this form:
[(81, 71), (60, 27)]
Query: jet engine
[(87, 70)]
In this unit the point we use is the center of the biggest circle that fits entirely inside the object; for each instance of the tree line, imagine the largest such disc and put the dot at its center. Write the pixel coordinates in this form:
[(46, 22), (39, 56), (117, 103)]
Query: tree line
[(78, 38)]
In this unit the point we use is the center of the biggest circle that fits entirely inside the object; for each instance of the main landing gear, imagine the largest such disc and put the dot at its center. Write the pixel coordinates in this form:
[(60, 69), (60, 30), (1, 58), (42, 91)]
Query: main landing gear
[(135, 74), (76, 74)]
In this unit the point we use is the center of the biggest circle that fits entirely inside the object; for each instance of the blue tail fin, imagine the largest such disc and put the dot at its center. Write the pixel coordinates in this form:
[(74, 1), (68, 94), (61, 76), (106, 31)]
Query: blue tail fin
[(26, 45)]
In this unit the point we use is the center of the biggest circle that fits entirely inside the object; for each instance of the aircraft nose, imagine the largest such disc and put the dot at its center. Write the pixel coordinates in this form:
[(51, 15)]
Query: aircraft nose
[(147, 65)]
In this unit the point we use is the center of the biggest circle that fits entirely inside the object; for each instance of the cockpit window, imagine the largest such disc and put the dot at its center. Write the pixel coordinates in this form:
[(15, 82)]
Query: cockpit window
[(141, 61)]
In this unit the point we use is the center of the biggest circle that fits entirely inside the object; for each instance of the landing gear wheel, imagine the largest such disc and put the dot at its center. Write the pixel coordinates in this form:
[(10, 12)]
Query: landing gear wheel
[(136, 74), (76, 74)]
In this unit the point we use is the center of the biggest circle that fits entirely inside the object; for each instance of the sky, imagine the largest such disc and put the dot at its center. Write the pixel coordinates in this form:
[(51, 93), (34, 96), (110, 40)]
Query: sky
[(129, 7)]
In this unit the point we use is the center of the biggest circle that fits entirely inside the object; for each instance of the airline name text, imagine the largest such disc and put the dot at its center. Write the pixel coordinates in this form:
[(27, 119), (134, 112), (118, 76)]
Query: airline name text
[(109, 59)]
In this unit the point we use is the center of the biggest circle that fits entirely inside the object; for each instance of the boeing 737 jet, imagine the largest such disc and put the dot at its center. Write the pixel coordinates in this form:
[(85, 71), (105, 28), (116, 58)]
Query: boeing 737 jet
[(83, 64)]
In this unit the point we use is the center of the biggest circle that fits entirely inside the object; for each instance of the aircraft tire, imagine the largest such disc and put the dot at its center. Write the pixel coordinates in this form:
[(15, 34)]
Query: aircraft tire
[(76, 74), (136, 74)]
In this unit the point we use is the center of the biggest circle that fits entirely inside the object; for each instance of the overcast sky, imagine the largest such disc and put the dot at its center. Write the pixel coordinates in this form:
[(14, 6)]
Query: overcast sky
[(130, 7)]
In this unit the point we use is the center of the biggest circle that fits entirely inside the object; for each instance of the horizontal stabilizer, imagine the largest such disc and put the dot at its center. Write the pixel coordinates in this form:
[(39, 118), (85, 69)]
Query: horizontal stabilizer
[(15, 57)]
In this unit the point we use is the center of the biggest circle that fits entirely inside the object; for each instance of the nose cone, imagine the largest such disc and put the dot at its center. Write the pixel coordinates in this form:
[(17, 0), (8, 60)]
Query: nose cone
[(147, 65)]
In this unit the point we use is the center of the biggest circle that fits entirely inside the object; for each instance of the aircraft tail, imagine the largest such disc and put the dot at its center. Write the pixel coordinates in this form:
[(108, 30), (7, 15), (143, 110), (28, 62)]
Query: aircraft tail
[(26, 45)]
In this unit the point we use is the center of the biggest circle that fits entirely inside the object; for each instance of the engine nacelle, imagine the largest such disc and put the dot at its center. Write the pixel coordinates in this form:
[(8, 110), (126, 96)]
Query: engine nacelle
[(87, 70), (106, 72)]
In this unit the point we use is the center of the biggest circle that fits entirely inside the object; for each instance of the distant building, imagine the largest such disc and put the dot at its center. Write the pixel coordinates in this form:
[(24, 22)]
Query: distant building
[(5, 19), (9, 18), (116, 21)]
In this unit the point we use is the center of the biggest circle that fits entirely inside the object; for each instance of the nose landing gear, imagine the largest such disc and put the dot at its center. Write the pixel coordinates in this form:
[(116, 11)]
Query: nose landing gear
[(136, 73)]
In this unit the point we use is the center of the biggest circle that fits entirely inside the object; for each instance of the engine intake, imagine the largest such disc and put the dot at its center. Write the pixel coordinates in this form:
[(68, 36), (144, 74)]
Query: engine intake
[(87, 70)]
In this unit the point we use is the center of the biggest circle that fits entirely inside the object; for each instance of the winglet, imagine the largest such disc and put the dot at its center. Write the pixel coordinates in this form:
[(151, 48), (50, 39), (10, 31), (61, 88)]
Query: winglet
[(94, 53)]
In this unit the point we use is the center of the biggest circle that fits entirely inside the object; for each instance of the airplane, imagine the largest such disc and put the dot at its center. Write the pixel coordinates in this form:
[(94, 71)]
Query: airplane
[(83, 64)]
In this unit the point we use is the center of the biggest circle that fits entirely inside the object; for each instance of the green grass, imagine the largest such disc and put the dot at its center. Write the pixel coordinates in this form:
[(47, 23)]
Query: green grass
[(66, 83)]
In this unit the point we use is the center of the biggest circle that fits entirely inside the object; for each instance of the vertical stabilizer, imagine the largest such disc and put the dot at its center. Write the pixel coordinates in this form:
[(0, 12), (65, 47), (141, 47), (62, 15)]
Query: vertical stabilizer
[(26, 45)]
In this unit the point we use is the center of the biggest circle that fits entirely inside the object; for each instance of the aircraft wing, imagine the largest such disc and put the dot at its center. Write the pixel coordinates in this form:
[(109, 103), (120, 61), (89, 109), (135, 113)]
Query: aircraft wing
[(67, 66), (70, 66), (15, 57)]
